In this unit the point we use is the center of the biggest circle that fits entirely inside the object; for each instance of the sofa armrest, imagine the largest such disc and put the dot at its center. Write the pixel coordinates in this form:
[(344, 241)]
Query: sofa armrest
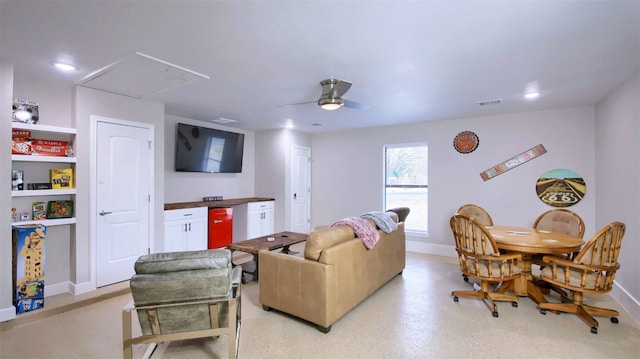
[(298, 286)]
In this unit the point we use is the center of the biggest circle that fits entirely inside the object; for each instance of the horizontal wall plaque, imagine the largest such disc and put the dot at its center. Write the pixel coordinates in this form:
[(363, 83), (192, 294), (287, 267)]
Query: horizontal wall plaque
[(513, 162)]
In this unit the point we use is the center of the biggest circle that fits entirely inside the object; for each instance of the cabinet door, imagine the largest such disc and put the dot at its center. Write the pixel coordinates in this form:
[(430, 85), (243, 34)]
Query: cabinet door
[(254, 224), (197, 234), (175, 236), (267, 222)]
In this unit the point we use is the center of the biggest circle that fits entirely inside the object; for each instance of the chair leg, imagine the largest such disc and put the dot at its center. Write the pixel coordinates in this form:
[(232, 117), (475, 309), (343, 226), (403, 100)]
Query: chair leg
[(601, 312), (482, 292), (575, 306), (126, 334)]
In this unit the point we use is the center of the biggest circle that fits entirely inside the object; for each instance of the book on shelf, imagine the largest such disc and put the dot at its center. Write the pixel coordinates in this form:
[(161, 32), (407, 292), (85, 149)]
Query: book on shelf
[(39, 210), (62, 178)]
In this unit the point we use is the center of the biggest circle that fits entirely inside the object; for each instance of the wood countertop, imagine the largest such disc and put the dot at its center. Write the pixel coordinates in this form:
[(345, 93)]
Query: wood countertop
[(216, 204)]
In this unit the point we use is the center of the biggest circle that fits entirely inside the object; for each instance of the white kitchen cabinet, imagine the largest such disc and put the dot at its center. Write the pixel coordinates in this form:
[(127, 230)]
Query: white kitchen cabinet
[(252, 220), (185, 229)]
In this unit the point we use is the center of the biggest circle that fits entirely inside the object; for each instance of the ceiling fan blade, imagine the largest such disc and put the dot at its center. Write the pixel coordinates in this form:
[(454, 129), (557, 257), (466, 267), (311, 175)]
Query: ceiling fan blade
[(340, 88), (355, 105), (298, 103)]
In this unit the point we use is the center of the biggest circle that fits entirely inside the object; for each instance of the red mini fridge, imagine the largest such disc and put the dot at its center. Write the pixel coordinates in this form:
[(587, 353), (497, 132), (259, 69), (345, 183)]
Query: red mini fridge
[(220, 227)]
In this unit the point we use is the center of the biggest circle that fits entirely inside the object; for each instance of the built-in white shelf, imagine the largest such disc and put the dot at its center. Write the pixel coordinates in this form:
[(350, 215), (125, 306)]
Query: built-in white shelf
[(35, 158), (43, 192), (48, 222), (43, 128)]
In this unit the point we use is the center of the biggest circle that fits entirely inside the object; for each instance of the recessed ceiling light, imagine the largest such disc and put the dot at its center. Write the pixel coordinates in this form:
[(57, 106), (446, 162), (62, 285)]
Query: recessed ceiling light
[(64, 67), (532, 95)]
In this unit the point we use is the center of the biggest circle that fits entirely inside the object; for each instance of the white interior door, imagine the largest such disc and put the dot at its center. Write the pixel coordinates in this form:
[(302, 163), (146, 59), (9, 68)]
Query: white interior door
[(123, 189), (300, 189)]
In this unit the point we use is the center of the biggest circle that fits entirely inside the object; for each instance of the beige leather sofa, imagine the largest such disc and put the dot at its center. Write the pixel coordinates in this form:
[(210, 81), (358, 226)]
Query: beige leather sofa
[(336, 273)]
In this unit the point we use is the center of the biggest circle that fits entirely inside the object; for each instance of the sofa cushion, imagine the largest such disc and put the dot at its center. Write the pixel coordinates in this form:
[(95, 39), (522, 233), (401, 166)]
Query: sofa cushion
[(326, 237), (183, 261)]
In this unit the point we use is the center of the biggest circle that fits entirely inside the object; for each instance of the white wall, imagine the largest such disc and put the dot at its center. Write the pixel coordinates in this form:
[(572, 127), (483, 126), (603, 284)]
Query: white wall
[(273, 170), (618, 174), (89, 102), (348, 167), (188, 186), (7, 311)]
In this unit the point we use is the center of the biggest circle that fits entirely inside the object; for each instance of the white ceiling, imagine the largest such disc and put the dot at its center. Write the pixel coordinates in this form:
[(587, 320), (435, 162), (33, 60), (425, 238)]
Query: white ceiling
[(411, 61)]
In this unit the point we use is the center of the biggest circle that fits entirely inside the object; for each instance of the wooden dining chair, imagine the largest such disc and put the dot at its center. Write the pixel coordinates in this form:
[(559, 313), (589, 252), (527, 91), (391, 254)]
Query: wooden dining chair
[(558, 220), (591, 271), (476, 212), (479, 214), (479, 258)]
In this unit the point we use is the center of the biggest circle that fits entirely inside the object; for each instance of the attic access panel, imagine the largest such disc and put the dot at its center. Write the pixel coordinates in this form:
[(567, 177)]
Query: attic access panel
[(140, 75)]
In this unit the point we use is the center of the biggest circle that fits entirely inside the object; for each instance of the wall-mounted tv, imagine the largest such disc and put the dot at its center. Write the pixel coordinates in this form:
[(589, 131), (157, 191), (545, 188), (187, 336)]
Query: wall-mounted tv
[(202, 149)]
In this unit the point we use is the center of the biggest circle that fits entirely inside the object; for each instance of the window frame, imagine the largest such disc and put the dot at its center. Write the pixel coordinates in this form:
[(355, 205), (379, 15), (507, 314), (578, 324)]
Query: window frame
[(385, 186)]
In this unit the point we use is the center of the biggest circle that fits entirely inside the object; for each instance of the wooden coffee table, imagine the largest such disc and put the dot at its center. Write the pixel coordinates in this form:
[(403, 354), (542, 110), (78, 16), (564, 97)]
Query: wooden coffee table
[(253, 246)]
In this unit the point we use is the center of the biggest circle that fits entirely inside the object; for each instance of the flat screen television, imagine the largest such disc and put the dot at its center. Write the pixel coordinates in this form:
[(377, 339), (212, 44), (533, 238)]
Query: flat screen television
[(202, 149)]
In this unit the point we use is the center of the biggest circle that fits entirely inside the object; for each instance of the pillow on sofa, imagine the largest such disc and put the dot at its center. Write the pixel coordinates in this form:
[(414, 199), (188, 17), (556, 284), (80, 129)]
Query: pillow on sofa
[(324, 238)]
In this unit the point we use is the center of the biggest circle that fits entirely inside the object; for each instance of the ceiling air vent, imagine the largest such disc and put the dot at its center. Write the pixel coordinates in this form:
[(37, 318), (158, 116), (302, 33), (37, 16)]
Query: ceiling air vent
[(490, 102), (224, 121)]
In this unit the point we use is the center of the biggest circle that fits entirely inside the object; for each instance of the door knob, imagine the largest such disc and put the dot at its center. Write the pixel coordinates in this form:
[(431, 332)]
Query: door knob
[(102, 213)]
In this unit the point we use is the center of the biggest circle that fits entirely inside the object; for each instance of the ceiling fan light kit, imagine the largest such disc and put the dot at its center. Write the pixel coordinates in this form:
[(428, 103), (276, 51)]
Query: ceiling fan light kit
[(330, 104), (331, 98)]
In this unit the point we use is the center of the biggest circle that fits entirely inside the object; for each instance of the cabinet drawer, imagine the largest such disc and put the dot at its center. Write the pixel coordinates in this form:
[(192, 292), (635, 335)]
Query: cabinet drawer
[(186, 213), (258, 206)]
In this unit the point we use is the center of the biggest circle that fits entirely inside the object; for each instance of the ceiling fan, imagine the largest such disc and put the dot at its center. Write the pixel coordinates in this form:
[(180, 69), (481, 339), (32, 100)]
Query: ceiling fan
[(331, 98)]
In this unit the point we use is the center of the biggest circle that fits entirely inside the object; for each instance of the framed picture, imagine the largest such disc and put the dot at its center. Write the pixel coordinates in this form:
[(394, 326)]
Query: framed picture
[(561, 187), (59, 209)]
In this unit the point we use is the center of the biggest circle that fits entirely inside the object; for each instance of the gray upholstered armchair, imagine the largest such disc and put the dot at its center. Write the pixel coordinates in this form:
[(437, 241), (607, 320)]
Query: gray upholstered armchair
[(184, 295)]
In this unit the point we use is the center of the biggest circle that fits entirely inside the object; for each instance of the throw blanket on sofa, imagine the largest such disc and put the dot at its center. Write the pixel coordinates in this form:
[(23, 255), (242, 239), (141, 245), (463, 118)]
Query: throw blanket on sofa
[(382, 220), (362, 228)]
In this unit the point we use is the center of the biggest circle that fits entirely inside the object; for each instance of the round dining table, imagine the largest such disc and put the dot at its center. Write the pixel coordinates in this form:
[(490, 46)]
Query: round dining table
[(527, 242)]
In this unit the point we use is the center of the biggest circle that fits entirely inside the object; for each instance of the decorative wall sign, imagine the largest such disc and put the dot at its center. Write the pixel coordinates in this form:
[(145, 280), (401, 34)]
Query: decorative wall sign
[(513, 162), (466, 142), (560, 188)]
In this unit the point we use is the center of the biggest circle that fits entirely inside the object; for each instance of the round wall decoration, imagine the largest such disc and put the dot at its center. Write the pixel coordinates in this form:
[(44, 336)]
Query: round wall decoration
[(466, 142), (561, 188)]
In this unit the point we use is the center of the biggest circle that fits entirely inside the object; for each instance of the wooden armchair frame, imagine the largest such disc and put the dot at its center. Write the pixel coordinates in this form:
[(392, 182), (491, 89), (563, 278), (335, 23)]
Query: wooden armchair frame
[(592, 271), (476, 212), (479, 258)]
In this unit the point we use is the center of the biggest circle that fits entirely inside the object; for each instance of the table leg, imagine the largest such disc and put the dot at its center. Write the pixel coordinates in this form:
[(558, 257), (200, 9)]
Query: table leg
[(254, 273), (520, 285)]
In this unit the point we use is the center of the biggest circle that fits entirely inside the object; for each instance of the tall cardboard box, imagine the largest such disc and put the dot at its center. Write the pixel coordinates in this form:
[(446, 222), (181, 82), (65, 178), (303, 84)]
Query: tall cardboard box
[(28, 267)]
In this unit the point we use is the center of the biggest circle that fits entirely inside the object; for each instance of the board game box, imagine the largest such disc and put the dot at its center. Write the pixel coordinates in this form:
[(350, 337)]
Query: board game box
[(28, 267)]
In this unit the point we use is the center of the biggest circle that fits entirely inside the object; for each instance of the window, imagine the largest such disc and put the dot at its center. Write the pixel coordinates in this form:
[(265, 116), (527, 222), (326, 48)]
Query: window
[(405, 184)]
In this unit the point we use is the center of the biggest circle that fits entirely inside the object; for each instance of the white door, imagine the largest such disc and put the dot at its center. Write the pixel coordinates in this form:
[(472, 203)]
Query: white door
[(123, 189), (300, 189)]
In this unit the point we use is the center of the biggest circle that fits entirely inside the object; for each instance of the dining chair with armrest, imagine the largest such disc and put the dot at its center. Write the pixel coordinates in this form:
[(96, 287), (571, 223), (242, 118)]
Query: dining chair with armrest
[(479, 214), (479, 258), (591, 271), (559, 220), (476, 212)]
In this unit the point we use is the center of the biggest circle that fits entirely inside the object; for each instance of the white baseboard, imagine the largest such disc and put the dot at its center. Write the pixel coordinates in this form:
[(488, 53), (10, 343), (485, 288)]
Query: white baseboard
[(82, 288), (430, 248), (626, 301), (58, 288), (7, 314)]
